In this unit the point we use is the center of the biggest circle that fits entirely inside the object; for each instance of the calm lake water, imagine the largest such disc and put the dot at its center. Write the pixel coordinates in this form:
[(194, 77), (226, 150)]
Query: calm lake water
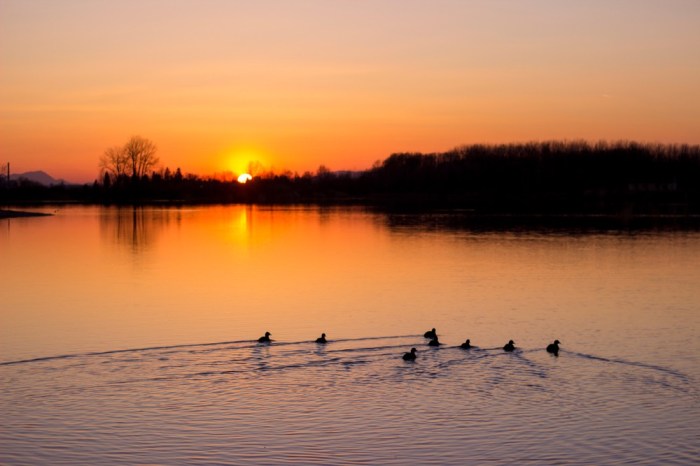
[(127, 336)]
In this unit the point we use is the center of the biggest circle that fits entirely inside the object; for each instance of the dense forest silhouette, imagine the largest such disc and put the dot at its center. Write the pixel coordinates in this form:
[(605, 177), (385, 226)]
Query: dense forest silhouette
[(538, 178)]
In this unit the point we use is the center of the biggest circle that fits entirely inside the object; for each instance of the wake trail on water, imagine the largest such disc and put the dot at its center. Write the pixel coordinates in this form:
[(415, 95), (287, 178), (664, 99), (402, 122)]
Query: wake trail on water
[(244, 343), (376, 353), (117, 351), (665, 370)]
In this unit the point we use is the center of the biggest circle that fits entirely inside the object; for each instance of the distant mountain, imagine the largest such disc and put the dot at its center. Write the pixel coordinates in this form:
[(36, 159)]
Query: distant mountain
[(40, 177)]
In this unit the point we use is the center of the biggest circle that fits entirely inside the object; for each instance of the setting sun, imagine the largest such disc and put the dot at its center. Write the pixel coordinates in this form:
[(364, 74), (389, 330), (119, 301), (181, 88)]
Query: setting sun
[(245, 164)]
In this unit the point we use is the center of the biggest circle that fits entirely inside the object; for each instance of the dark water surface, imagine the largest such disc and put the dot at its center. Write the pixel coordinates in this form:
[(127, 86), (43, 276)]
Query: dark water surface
[(127, 337)]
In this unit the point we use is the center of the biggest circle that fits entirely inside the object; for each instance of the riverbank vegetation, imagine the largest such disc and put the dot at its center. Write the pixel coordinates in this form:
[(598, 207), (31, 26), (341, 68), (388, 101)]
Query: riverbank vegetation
[(554, 177)]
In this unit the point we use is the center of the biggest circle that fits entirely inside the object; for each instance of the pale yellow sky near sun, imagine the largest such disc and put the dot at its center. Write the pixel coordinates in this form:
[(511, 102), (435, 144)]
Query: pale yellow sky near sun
[(296, 84)]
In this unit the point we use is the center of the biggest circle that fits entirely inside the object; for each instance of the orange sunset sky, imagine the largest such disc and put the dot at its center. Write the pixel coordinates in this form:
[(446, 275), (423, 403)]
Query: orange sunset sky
[(295, 84)]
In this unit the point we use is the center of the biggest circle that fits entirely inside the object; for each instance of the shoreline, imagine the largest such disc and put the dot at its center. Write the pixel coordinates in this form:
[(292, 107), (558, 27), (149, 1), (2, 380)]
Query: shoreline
[(21, 213), (449, 217)]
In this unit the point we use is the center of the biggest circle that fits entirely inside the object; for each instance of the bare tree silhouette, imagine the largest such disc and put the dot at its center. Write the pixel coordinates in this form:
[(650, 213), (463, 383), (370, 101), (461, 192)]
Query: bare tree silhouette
[(141, 156), (134, 159), (113, 162)]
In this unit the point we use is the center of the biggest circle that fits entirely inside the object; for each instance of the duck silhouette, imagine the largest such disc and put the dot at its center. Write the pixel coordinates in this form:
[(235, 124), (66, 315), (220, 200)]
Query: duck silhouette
[(410, 356), (434, 342), (466, 345), (510, 346), (265, 339), (430, 334), (321, 339), (553, 348)]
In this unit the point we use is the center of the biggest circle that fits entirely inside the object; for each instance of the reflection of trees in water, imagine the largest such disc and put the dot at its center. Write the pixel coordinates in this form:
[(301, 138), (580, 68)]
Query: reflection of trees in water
[(136, 227), (466, 221)]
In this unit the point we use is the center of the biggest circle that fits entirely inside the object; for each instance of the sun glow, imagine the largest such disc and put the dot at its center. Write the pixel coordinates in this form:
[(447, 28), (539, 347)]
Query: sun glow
[(246, 159), (244, 178)]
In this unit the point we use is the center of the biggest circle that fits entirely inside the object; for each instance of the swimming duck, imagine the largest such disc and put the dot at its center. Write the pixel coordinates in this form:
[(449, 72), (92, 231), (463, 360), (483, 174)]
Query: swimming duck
[(321, 339), (466, 345), (430, 334), (553, 348), (410, 356), (510, 346), (265, 339), (434, 342)]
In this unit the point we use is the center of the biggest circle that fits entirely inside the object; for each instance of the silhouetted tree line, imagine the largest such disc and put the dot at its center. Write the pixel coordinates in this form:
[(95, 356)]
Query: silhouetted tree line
[(548, 177), (531, 178)]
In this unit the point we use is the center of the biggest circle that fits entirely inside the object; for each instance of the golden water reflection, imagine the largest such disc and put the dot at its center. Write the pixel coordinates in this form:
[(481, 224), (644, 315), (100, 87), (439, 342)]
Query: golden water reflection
[(100, 279)]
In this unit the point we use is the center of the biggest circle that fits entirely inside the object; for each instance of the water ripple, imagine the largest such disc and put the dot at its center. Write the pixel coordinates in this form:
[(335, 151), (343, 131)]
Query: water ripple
[(352, 401)]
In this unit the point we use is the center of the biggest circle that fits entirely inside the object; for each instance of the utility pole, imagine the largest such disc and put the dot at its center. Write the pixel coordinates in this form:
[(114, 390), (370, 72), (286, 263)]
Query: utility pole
[(6, 191)]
